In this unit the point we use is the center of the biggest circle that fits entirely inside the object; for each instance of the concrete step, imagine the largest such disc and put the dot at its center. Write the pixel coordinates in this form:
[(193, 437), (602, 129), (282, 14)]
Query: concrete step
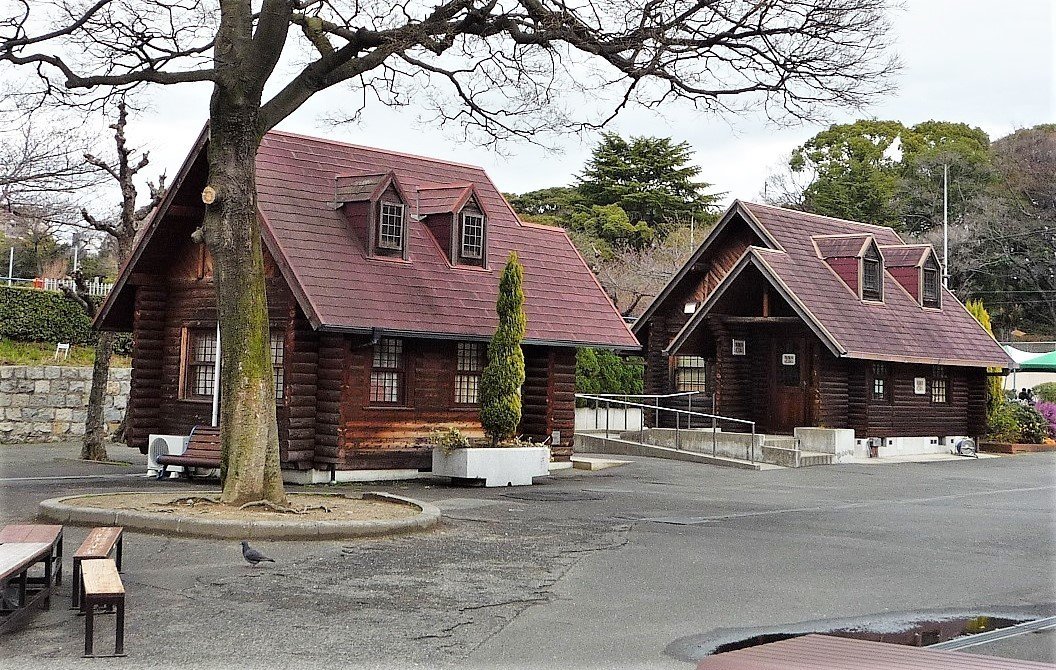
[(781, 456), (601, 445)]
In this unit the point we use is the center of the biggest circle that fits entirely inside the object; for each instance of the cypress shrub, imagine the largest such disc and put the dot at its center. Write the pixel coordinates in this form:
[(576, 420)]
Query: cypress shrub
[(500, 383)]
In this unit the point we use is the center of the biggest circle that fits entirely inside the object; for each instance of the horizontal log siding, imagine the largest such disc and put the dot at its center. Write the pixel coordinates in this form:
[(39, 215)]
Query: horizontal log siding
[(301, 374), (331, 354), (148, 347), (548, 401), (907, 414), (831, 389)]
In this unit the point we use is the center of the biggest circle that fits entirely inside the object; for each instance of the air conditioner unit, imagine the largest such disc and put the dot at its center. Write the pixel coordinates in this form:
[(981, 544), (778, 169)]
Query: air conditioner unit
[(165, 444)]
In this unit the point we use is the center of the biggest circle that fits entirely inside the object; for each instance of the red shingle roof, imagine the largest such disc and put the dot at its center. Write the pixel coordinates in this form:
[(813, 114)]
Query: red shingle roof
[(898, 329), (341, 288), (841, 246), (823, 652)]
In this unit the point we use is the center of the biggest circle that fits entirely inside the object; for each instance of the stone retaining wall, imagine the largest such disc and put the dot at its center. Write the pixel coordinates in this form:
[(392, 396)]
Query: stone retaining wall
[(50, 403)]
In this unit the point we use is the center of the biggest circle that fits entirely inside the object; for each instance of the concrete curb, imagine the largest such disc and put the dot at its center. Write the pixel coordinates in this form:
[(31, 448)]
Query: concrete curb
[(59, 509)]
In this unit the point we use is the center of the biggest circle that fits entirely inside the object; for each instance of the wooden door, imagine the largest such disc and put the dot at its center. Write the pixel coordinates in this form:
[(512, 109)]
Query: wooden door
[(790, 372)]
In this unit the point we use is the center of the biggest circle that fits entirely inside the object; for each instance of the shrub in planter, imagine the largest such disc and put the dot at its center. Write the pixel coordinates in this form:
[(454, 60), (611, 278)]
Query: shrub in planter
[(500, 383), (1012, 422)]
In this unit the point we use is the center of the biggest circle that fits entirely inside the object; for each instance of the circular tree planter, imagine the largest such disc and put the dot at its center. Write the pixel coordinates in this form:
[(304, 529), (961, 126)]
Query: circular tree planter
[(401, 515)]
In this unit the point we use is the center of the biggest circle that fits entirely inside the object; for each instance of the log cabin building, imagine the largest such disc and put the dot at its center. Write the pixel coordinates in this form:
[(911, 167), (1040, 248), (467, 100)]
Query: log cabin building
[(796, 320), (382, 277)]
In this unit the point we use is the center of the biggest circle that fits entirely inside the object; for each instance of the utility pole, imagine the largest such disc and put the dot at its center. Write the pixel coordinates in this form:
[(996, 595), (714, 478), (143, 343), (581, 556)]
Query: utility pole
[(945, 228)]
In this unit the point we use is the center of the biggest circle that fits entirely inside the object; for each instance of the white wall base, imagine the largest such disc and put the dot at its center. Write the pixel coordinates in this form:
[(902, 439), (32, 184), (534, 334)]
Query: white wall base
[(907, 446), (316, 476), (837, 441)]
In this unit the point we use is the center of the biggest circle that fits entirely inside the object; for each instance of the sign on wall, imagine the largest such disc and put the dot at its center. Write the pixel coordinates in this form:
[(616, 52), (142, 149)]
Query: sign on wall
[(738, 347), (788, 359), (920, 385)]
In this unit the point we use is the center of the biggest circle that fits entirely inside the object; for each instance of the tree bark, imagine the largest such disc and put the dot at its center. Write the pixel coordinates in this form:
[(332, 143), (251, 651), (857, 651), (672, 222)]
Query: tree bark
[(249, 434), (93, 447)]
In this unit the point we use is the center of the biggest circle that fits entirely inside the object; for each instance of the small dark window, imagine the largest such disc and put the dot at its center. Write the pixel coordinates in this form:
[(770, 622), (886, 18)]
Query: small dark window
[(880, 382), (939, 385), (391, 226), (277, 353), (386, 375), (469, 366), (691, 374), (200, 363), (931, 288), (871, 289), (473, 236)]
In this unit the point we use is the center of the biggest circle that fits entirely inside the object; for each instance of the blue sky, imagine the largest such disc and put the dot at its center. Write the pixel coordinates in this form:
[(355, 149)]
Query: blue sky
[(985, 63)]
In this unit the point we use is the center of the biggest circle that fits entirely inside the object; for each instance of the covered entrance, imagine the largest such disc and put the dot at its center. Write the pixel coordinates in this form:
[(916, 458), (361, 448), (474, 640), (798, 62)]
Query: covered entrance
[(788, 383)]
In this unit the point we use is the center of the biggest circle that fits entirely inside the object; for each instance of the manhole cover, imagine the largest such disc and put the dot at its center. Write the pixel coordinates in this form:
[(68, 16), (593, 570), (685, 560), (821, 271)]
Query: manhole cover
[(548, 495)]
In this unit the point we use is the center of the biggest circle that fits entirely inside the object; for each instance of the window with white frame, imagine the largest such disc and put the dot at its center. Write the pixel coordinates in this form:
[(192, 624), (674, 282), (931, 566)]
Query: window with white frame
[(468, 368), (939, 384), (391, 226), (691, 373), (472, 236), (386, 374)]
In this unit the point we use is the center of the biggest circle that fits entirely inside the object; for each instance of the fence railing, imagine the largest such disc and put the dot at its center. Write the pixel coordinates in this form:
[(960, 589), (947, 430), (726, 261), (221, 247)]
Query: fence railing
[(95, 287), (680, 415)]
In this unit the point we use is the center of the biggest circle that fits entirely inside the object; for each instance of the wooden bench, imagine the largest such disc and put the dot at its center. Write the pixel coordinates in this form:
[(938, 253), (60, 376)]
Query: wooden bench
[(51, 534), (203, 451), (100, 543), (101, 587), (16, 560)]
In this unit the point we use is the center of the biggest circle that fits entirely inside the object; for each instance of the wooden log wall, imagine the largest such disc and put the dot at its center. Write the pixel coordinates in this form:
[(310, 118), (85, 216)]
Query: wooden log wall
[(301, 371), (148, 345), (907, 414), (548, 397), (331, 354)]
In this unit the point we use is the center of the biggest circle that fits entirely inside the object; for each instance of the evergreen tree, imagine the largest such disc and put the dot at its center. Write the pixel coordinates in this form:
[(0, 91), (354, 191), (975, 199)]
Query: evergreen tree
[(500, 383)]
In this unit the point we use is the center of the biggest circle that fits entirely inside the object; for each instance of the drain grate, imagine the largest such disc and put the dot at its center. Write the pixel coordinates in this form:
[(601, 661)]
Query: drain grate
[(544, 495)]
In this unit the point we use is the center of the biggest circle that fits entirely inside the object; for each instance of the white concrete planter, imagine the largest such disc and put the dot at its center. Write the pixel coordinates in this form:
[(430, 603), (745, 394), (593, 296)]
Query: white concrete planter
[(502, 466)]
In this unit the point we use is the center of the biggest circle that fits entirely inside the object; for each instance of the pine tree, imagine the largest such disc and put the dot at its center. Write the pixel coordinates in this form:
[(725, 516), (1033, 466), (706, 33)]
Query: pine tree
[(500, 384)]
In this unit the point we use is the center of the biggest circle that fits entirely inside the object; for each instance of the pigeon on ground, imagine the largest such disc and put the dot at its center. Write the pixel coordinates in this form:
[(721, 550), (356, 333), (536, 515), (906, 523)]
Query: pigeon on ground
[(253, 556)]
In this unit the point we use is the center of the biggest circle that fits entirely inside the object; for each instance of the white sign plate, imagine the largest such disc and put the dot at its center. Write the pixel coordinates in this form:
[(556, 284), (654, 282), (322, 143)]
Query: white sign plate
[(738, 347), (788, 359), (920, 385)]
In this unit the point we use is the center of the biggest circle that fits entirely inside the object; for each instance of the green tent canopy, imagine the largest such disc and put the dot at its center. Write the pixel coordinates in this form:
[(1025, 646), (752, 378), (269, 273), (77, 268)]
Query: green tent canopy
[(1042, 363)]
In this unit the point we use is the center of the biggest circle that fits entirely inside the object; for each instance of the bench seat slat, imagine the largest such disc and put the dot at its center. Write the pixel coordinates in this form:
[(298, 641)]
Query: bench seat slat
[(99, 542), (100, 577), (30, 533), (17, 556)]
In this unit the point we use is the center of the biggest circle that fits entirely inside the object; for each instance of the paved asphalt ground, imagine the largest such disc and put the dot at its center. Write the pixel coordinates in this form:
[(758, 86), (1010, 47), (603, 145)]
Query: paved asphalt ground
[(646, 565)]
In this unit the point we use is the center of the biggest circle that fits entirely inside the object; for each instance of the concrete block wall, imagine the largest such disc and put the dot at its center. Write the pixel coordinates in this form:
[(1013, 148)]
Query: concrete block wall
[(50, 403)]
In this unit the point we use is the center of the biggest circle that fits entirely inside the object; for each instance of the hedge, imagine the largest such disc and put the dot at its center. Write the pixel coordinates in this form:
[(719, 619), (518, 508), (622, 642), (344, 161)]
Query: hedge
[(602, 371), (32, 315)]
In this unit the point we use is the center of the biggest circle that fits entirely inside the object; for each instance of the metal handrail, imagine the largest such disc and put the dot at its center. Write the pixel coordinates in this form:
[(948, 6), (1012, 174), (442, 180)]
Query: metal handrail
[(608, 399), (591, 396)]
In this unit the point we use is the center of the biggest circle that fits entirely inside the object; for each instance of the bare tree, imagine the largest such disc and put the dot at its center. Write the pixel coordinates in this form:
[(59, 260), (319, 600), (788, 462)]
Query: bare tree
[(497, 68), (633, 277), (122, 230), (40, 161)]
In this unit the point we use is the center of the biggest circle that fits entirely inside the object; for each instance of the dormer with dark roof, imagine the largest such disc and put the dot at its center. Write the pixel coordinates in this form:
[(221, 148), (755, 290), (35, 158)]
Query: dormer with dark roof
[(377, 212), (455, 217), (857, 259), (916, 268)]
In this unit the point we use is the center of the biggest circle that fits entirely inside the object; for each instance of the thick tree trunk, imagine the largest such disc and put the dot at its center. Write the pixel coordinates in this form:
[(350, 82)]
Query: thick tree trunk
[(249, 435), (93, 447)]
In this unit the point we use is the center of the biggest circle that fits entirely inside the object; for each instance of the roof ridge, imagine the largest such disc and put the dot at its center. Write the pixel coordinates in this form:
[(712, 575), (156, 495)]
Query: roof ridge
[(821, 216), (379, 150)]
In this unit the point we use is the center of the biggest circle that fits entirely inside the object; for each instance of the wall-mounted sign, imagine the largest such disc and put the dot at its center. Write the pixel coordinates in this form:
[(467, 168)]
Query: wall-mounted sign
[(920, 385), (788, 359), (738, 347)]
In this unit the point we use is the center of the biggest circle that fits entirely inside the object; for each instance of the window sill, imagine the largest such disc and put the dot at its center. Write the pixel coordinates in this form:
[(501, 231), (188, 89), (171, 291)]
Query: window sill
[(396, 408), (197, 401)]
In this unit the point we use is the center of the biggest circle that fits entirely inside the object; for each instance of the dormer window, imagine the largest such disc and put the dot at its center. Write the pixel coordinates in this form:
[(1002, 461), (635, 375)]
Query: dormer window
[(872, 276), (472, 236), (931, 291), (391, 226)]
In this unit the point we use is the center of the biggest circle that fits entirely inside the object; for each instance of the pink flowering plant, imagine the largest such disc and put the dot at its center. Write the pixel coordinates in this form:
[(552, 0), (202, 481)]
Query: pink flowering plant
[(1048, 410)]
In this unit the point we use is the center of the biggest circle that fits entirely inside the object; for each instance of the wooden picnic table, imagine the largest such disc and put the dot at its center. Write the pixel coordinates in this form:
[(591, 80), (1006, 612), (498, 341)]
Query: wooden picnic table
[(34, 532), (16, 559)]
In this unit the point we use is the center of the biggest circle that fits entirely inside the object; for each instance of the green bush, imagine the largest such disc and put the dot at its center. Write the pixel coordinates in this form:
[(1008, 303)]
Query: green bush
[(601, 371), (31, 315), (1016, 423), (1046, 391), (503, 376)]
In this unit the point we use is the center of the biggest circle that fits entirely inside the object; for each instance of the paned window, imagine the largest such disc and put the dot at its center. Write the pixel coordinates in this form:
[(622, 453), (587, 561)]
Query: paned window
[(880, 390), (386, 375), (472, 236), (931, 288), (390, 226), (277, 353), (469, 366), (871, 279), (939, 384), (200, 363), (691, 373)]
